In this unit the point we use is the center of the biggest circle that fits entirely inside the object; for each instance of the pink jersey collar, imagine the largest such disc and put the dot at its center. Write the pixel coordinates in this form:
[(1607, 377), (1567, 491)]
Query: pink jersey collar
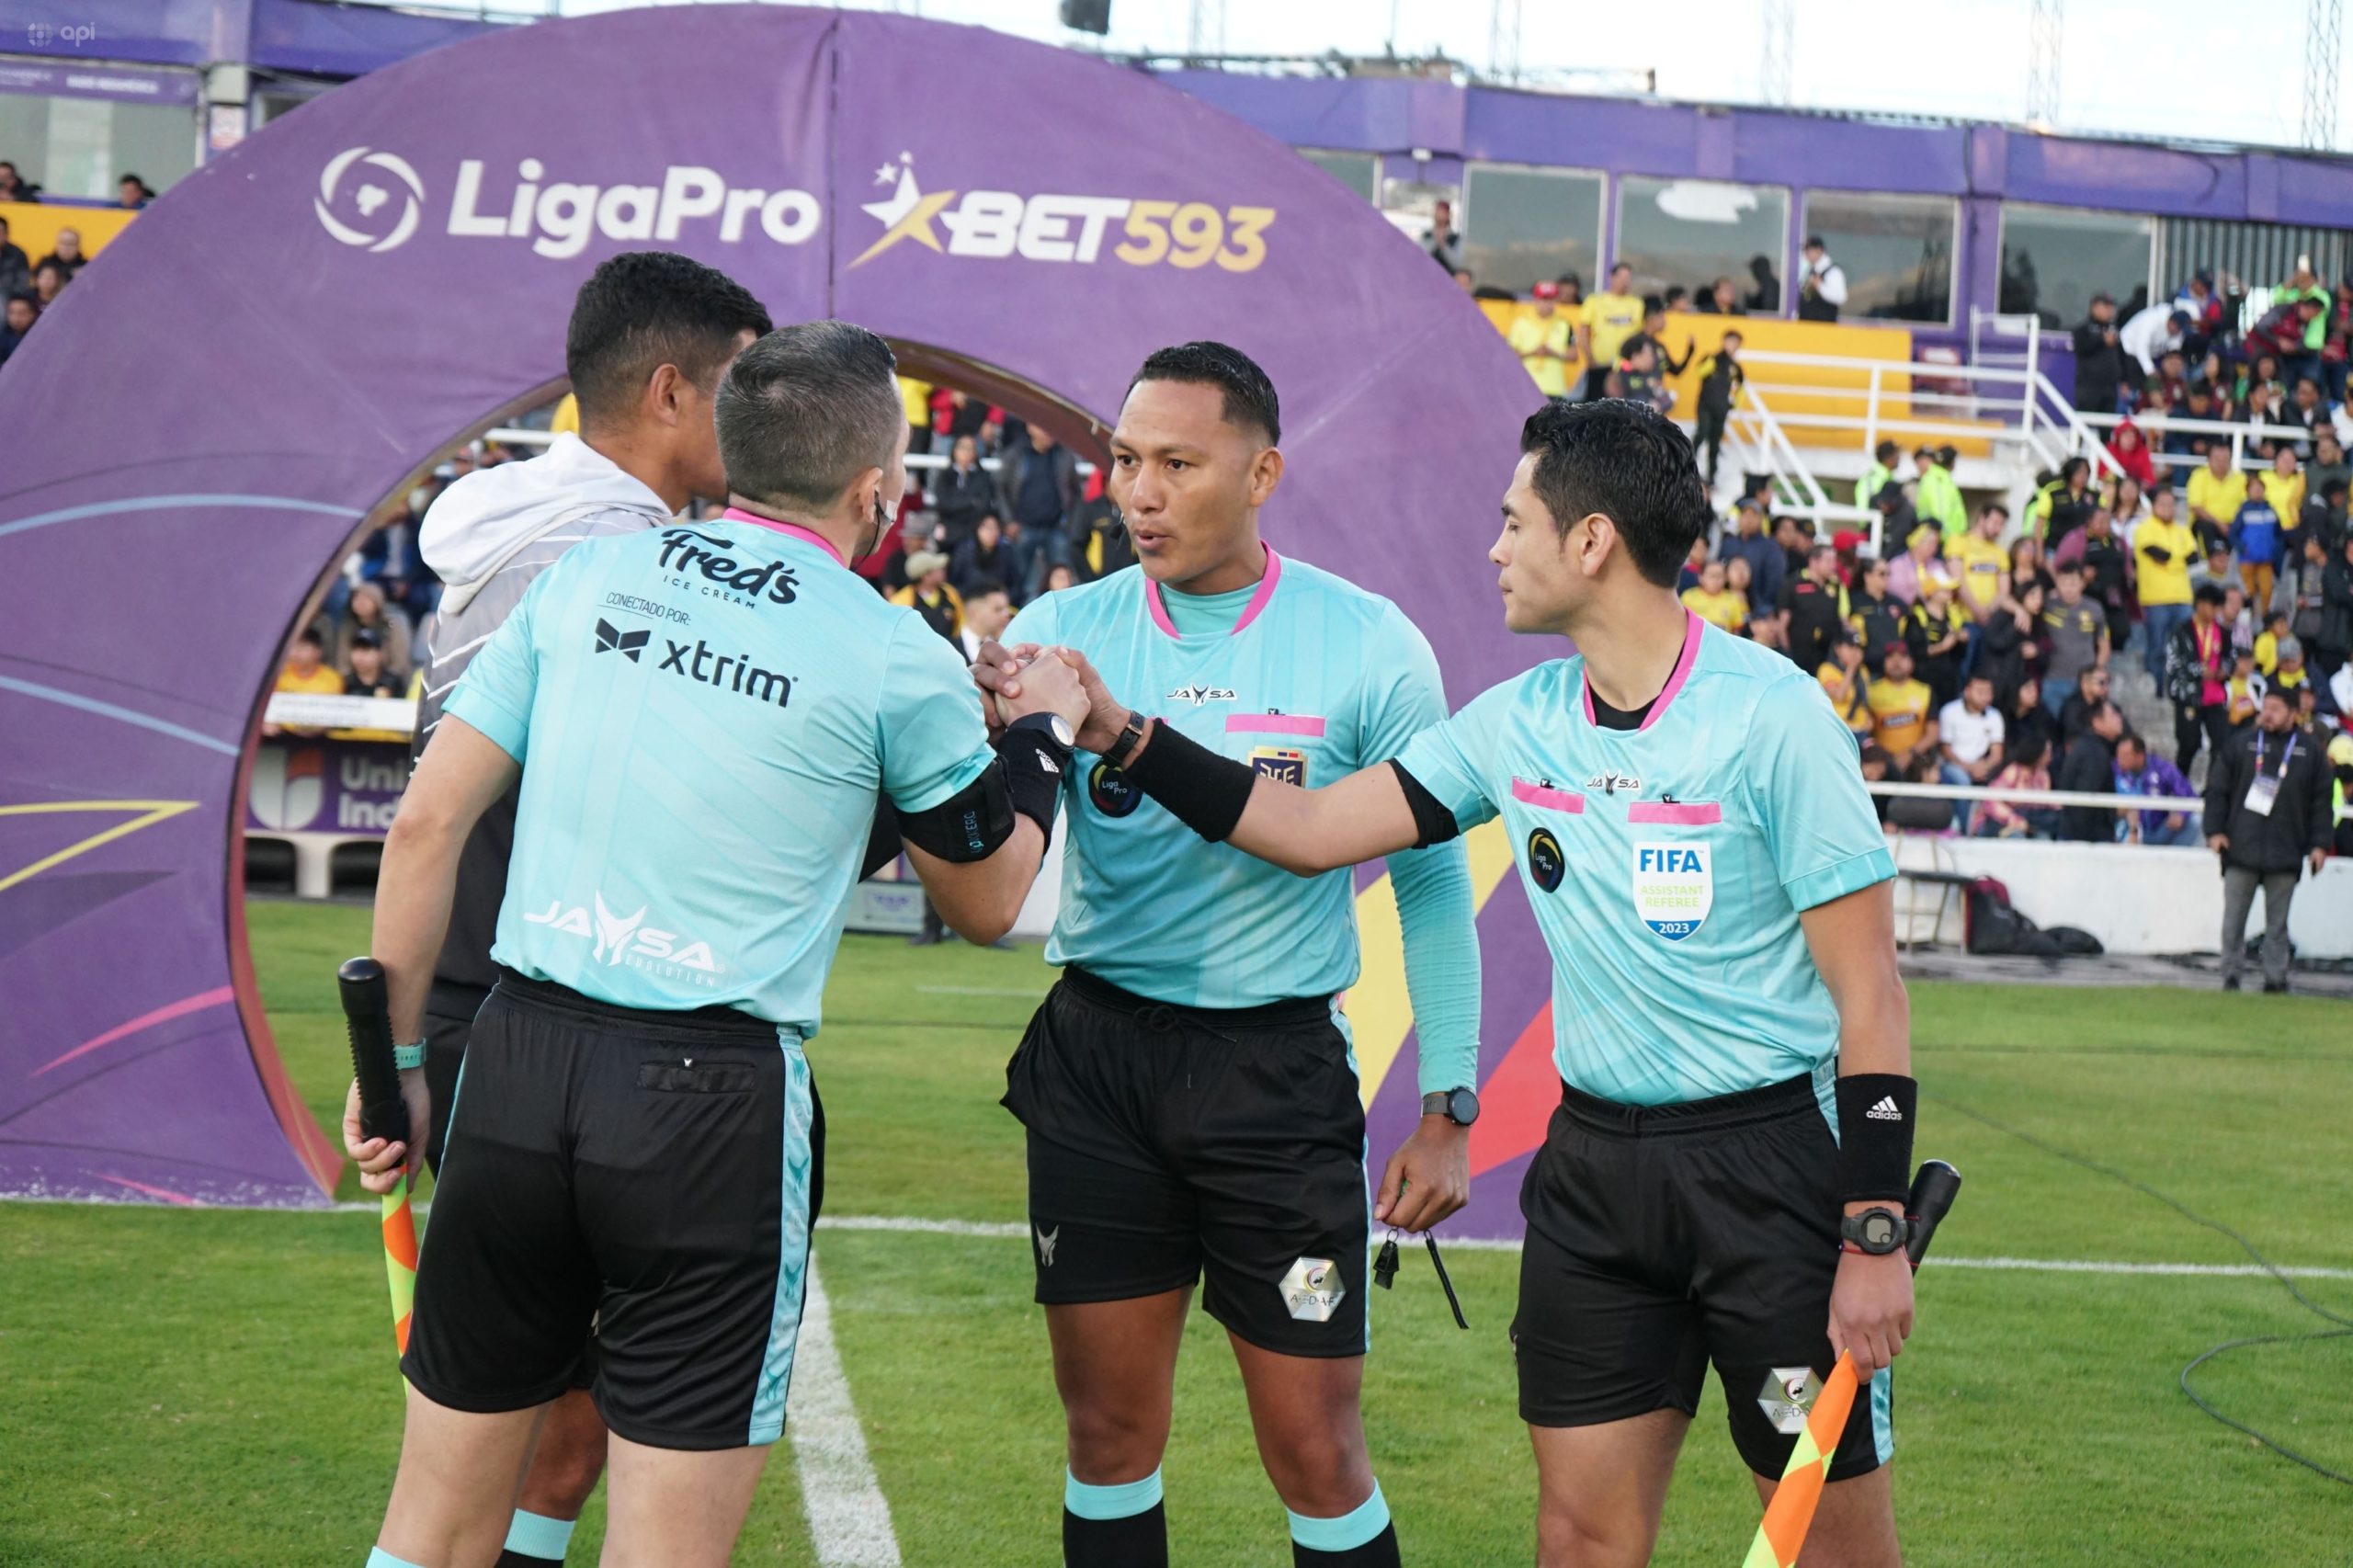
[(790, 530), (1250, 611), (1692, 629)]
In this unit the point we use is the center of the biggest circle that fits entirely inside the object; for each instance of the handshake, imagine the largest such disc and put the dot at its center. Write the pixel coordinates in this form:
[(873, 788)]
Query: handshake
[(1019, 681)]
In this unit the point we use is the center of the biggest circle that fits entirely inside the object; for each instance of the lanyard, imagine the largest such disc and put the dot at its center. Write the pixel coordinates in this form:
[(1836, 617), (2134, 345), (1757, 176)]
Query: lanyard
[(2286, 756)]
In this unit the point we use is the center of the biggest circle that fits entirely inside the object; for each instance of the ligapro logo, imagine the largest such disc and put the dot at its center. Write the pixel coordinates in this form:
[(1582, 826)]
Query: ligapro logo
[(374, 201), (1148, 232)]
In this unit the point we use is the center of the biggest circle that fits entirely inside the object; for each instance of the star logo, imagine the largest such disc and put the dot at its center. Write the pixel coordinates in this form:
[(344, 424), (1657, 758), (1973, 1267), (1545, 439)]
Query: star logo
[(906, 213)]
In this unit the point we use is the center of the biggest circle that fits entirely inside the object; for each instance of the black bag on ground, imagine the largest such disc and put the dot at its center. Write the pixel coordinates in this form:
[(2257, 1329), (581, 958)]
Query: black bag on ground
[(1994, 926)]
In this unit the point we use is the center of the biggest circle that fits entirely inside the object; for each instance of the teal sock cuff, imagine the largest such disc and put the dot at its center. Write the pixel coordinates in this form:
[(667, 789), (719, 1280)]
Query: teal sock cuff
[(536, 1535), (1348, 1532), (1123, 1502), (379, 1558)]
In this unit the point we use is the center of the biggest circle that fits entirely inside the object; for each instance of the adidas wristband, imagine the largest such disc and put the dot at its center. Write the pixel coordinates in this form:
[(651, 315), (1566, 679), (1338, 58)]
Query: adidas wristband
[(1875, 1113), (1203, 791), (1035, 764)]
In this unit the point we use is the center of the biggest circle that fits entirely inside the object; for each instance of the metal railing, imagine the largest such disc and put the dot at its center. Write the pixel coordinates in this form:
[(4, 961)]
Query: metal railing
[(517, 435), (2014, 407), (2155, 427)]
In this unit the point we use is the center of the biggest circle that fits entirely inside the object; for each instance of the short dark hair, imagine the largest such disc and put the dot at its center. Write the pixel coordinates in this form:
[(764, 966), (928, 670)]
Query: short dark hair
[(641, 309), (1996, 509), (1627, 461), (983, 588), (1250, 400), (2135, 742), (1887, 452), (308, 635), (2208, 594), (806, 410)]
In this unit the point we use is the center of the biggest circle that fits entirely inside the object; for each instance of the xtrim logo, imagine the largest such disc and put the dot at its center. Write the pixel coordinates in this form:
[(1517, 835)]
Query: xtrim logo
[(998, 223), (627, 644), (559, 218)]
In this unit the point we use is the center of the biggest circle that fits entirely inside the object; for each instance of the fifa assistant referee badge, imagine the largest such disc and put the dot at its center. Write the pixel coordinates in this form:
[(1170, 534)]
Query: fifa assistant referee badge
[(1460, 1107)]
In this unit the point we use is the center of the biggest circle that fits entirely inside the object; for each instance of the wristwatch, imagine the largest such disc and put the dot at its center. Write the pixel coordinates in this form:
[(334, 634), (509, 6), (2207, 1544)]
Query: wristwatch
[(1131, 737), (1875, 1231), (1460, 1107), (1056, 727)]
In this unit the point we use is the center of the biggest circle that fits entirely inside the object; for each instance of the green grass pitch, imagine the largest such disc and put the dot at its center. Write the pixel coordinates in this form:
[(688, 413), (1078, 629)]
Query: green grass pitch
[(219, 1388)]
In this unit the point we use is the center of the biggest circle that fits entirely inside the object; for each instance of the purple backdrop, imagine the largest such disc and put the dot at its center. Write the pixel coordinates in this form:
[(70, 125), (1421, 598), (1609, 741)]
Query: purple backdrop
[(298, 325)]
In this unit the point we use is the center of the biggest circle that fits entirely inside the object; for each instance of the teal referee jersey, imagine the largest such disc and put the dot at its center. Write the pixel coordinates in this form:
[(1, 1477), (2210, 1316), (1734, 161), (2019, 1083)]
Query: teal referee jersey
[(1307, 679), (1667, 864), (705, 714)]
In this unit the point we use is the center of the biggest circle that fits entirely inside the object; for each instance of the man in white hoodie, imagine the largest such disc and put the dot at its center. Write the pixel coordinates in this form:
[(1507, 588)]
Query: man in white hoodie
[(651, 335)]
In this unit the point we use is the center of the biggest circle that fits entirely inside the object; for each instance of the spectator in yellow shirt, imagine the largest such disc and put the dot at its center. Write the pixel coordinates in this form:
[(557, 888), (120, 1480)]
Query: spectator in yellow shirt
[(1900, 710), (1983, 565), (2284, 487), (1546, 340), (2216, 494), (306, 671), (1848, 683), (2162, 549), (1612, 316), (1721, 607)]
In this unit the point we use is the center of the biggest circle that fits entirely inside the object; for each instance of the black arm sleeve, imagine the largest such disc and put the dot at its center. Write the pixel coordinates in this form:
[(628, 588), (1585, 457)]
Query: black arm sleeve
[(883, 841), (1433, 823), (1205, 791), (969, 826)]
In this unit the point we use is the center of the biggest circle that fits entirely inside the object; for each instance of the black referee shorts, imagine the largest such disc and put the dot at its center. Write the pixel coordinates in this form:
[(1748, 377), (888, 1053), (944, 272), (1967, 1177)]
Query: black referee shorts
[(655, 1174), (1662, 1238), (1170, 1142)]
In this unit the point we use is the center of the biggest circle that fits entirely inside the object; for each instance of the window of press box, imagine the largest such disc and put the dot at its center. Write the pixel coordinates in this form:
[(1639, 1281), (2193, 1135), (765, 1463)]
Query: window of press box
[(1896, 251), (1692, 232), (82, 147), (2055, 258), (1360, 172), (1520, 227)]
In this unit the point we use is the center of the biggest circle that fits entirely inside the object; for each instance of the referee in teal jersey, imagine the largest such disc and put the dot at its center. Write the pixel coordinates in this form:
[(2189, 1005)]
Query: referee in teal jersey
[(1723, 1180), (709, 710)]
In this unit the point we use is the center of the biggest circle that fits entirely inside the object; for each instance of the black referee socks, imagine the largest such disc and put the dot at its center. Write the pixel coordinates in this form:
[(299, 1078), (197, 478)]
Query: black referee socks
[(1381, 1551), (1114, 1526)]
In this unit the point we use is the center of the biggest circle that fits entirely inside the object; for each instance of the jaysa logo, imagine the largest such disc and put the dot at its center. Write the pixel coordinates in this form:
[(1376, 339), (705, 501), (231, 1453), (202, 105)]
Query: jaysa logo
[(1675, 886)]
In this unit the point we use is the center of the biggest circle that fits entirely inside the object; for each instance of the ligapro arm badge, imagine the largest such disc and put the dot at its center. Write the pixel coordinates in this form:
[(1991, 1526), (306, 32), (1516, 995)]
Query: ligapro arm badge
[(1675, 886), (1312, 1289), (1787, 1398)]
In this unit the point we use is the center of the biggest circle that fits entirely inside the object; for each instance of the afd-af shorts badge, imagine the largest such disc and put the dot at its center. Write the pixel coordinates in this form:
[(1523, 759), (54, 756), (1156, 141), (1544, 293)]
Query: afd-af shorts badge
[(1788, 1398), (1312, 1289)]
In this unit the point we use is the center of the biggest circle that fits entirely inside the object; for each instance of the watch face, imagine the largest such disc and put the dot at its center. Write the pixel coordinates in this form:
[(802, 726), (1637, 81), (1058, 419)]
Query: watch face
[(1463, 1107), (1879, 1230), (1060, 726)]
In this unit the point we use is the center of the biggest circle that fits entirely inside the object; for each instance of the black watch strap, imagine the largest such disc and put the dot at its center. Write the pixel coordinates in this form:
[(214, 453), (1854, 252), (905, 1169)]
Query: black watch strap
[(1131, 737)]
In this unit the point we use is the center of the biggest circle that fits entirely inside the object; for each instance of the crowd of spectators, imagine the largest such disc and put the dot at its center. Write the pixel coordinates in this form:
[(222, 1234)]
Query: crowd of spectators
[(28, 287), (1971, 652), (1005, 513)]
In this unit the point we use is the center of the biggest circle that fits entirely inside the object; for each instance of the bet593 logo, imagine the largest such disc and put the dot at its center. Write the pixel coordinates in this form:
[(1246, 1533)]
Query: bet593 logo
[(999, 223)]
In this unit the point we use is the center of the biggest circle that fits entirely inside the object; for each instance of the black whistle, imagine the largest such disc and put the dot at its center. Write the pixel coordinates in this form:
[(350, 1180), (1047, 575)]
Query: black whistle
[(1384, 1265)]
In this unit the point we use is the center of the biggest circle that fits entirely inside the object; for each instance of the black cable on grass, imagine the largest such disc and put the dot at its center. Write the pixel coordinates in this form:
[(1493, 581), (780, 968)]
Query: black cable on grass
[(2345, 1329)]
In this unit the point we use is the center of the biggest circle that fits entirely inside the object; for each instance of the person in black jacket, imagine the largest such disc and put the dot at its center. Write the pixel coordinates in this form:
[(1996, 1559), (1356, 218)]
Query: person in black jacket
[(2267, 811), (2090, 767), (1721, 379), (961, 493), (2333, 643), (2100, 358)]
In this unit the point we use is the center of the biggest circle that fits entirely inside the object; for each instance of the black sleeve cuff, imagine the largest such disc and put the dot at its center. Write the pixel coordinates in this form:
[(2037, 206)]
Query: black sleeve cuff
[(1205, 791), (1433, 823)]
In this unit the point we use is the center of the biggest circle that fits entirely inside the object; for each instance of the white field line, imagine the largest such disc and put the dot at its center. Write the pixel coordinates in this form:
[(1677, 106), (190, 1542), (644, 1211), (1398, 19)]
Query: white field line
[(1009, 1230), (849, 1519), (1470, 1244)]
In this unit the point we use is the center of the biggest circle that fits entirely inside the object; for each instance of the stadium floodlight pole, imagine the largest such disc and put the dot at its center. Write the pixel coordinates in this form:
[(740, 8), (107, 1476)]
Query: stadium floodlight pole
[(1791, 1513), (382, 1114)]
